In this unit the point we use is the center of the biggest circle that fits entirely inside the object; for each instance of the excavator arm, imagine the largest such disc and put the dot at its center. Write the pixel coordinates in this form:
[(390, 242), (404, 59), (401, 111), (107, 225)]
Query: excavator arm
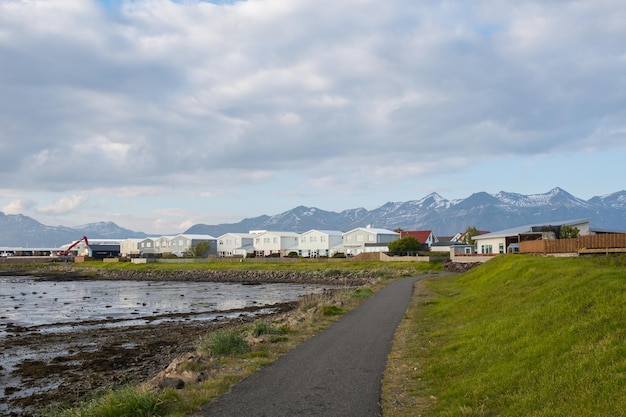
[(69, 249)]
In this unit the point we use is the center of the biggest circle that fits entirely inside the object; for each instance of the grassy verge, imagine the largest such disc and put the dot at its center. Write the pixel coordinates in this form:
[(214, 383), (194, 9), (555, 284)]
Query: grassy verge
[(226, 356), (384, 268), (518, 336)]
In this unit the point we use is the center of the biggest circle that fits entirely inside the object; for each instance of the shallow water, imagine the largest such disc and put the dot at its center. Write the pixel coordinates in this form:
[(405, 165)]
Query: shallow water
[(28, 304), (64, 311)]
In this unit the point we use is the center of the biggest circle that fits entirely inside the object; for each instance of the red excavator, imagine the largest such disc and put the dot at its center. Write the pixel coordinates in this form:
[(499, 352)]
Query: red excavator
[(67, 251)]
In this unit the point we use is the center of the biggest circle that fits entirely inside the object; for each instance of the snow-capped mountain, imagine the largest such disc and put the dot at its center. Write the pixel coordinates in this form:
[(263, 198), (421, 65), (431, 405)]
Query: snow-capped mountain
[(446, 217), (433, 212)]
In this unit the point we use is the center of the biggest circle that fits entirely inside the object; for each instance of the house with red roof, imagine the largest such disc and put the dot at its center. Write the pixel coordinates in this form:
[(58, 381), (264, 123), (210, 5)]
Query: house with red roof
[(425, 237)]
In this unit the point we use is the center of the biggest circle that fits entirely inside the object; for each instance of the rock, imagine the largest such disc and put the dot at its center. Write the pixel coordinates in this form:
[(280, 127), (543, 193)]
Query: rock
[(169, 382)]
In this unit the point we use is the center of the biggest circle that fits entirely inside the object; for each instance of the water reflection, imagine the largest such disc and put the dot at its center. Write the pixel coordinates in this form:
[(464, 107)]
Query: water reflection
[(28, 303)]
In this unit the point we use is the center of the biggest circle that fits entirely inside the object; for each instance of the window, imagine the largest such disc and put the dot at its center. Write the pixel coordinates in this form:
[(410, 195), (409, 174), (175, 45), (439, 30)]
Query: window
[(501, 248), (371, 238), (303, 239), (266, 240), (312, 239), (275, 240), (360, 238), (322, 238)]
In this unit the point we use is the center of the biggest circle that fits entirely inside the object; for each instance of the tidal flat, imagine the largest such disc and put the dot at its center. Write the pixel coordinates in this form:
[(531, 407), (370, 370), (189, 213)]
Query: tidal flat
[(61, 340)]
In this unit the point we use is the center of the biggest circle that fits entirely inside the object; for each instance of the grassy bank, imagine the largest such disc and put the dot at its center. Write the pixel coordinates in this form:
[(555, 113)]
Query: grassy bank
[(347, 265), (518, 336)]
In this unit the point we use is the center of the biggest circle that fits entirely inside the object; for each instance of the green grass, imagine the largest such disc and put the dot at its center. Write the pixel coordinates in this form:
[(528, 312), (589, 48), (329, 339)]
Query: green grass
[(362, 292), (224, 342), (328, 268), (518, 336), (129, 402), (262, 327), (332, 311)]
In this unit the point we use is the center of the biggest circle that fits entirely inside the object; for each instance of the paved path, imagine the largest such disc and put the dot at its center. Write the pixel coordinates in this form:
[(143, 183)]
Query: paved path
[(336, 373)]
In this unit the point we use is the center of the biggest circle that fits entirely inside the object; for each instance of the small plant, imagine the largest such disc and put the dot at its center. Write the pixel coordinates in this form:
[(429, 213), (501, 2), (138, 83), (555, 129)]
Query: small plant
[(224, 343), (331, 311), (278, 339), (332, 273), (311, 300), (127, 401), (193, 366), (362, 293), (263, 327)]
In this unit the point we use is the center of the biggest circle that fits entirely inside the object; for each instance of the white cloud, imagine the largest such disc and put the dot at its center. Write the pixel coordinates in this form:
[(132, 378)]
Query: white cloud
[(168, 95), (64, 205), (18, 206)]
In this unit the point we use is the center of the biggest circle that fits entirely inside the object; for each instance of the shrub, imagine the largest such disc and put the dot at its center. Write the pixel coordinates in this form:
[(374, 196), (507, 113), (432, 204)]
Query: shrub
[(223, 343)]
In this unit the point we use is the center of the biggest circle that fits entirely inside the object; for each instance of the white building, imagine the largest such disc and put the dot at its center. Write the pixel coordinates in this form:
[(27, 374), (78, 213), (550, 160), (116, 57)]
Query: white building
[(275, 243), (316, 243), (367, 239), (235, 244), (130, 247), (505, 241), (162, 244), (182, 243), (146, 246)]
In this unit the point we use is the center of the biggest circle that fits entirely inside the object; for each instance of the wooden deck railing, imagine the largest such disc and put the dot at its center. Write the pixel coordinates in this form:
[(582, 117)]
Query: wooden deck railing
[(614, 242)]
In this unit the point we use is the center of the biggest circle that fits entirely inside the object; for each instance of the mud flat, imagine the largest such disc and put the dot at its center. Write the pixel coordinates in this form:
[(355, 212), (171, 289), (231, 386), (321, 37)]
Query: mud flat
[(64, 367), (69, 351)]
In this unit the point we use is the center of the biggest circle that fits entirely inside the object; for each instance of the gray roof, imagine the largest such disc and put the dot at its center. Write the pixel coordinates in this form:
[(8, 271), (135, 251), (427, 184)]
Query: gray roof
[(527, 229)]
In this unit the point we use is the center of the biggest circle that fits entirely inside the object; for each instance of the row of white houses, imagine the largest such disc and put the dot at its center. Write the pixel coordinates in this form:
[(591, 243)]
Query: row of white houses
[(314, 243)]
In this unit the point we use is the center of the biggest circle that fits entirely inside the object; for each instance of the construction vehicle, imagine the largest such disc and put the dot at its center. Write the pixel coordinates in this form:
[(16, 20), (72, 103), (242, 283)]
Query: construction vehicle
[(67, 251)]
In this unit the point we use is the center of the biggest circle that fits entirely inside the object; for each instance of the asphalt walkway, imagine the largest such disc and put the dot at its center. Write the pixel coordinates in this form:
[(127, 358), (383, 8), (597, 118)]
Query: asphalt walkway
[(336, 373)]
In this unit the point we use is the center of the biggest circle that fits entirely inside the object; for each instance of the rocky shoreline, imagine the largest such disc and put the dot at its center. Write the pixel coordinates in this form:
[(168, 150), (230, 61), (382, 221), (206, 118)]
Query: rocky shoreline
[(92, 360), (330, 277)]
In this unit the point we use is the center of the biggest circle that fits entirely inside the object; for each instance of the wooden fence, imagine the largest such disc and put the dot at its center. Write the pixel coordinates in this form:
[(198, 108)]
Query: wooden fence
[(614, 242)]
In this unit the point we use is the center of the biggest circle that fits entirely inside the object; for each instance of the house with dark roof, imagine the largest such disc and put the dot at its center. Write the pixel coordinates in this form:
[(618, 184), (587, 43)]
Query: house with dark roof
[(508, 240)]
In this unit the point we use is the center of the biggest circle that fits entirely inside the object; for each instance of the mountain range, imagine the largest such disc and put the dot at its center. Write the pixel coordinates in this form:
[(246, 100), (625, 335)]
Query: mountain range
[(444, 217)]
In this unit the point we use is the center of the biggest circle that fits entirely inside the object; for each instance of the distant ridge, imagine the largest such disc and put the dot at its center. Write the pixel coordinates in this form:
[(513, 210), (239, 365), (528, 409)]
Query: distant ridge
[(444, 217), (17, 230)]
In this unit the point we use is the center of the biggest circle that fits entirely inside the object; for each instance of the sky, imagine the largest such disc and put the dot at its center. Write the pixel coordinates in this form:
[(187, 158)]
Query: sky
[(161, 114)]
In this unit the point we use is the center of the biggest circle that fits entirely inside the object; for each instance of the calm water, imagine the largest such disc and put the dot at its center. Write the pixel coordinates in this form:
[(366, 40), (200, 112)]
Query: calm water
[(55, 305), (28, 306)]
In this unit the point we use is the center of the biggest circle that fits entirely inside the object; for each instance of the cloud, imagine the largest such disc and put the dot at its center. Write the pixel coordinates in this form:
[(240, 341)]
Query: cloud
[(185, 94), (64, 205), (18, 206)]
